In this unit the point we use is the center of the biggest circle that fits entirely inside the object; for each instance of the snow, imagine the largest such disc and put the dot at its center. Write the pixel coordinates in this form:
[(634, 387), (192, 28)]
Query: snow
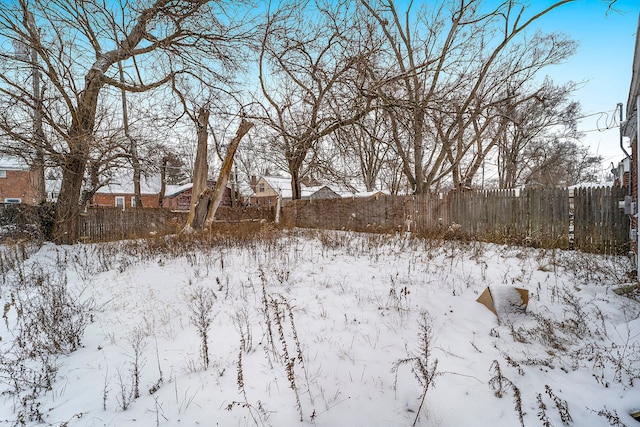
[(122, 183), (177, 189), (357, 305), (13, 163)]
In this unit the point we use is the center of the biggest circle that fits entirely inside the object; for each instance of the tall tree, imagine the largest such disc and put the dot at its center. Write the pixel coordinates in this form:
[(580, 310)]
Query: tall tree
[(306, 64), (78, 50), (560, 162), (201, 166), (474, 128), (535, 122), (364, 149), (445, 58)]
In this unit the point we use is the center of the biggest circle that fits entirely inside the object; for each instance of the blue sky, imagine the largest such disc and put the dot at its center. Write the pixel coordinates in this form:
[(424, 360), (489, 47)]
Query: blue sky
[(603, 63)]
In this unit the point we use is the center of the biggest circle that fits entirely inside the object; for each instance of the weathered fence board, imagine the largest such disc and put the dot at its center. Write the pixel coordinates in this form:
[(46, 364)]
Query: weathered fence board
[(102, 224), (599, 224)]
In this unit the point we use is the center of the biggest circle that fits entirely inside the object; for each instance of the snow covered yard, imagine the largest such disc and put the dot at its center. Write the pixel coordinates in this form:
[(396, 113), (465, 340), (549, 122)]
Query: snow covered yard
[(314, 328)]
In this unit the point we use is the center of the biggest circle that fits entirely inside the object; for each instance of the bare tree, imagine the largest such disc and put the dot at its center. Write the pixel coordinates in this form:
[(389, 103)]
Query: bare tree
[(306, 66), (201, 167), (215, 197), (78, 52), (133, 144), (446, 61), (560, 162), (364, 150), (534, 121)]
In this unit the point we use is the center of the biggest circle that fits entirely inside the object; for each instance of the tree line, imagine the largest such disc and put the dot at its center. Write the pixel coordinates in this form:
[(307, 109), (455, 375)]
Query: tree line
[(402, 96)]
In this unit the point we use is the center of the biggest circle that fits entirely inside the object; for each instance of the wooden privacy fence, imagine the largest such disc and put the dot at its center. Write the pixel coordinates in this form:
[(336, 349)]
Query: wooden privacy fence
[(587, 219), (599, 225), (104, 224)]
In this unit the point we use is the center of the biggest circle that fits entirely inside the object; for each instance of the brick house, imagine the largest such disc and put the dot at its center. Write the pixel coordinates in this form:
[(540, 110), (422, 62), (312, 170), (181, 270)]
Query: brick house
[(179, 197), (18, 182), (119, 193), (123, 200), (631, 129)]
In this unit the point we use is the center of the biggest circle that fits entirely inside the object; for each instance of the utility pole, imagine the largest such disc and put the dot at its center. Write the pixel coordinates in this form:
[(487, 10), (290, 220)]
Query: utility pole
[(26, 52), (37, 125)]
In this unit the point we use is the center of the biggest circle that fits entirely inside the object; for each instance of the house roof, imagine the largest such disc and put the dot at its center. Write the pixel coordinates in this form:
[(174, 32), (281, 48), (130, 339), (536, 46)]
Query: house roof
[(364, 194), (174, 190), (279, 183), (13, 163), (590, 185), (122, 183), (282, 186), (244, 188)]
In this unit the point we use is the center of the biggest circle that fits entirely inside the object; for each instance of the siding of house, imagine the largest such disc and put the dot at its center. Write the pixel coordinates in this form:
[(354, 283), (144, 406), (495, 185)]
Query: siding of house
[(182, 201), (178, 202), (19, 184), (631, 130), (108, 200), (264, 195), (263, 189)]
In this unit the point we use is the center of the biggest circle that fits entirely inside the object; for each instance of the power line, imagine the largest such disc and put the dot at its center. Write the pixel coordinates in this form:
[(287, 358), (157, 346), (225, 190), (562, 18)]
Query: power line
[(609, 117), (600, 130)]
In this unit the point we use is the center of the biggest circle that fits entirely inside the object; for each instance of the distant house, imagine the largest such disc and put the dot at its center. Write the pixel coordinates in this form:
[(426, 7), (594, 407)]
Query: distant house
[(375, 194), (53, 189), (179, 198), (267, 189), (18, 182), (322, 192), (622, 173), (119, 192)]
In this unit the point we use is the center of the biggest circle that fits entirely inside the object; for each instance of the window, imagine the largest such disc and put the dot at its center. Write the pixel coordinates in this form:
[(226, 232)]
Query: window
[(120, 202), (12, 200), (261, 187), (133, 201), (3, 173)]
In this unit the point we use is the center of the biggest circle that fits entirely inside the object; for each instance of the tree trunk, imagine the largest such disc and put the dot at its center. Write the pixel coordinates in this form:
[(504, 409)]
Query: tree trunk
[(163, 181), (201, 168), (296, 188), (38, 132), (418, 153), (137, 173), (65, 230), (225, 172)]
